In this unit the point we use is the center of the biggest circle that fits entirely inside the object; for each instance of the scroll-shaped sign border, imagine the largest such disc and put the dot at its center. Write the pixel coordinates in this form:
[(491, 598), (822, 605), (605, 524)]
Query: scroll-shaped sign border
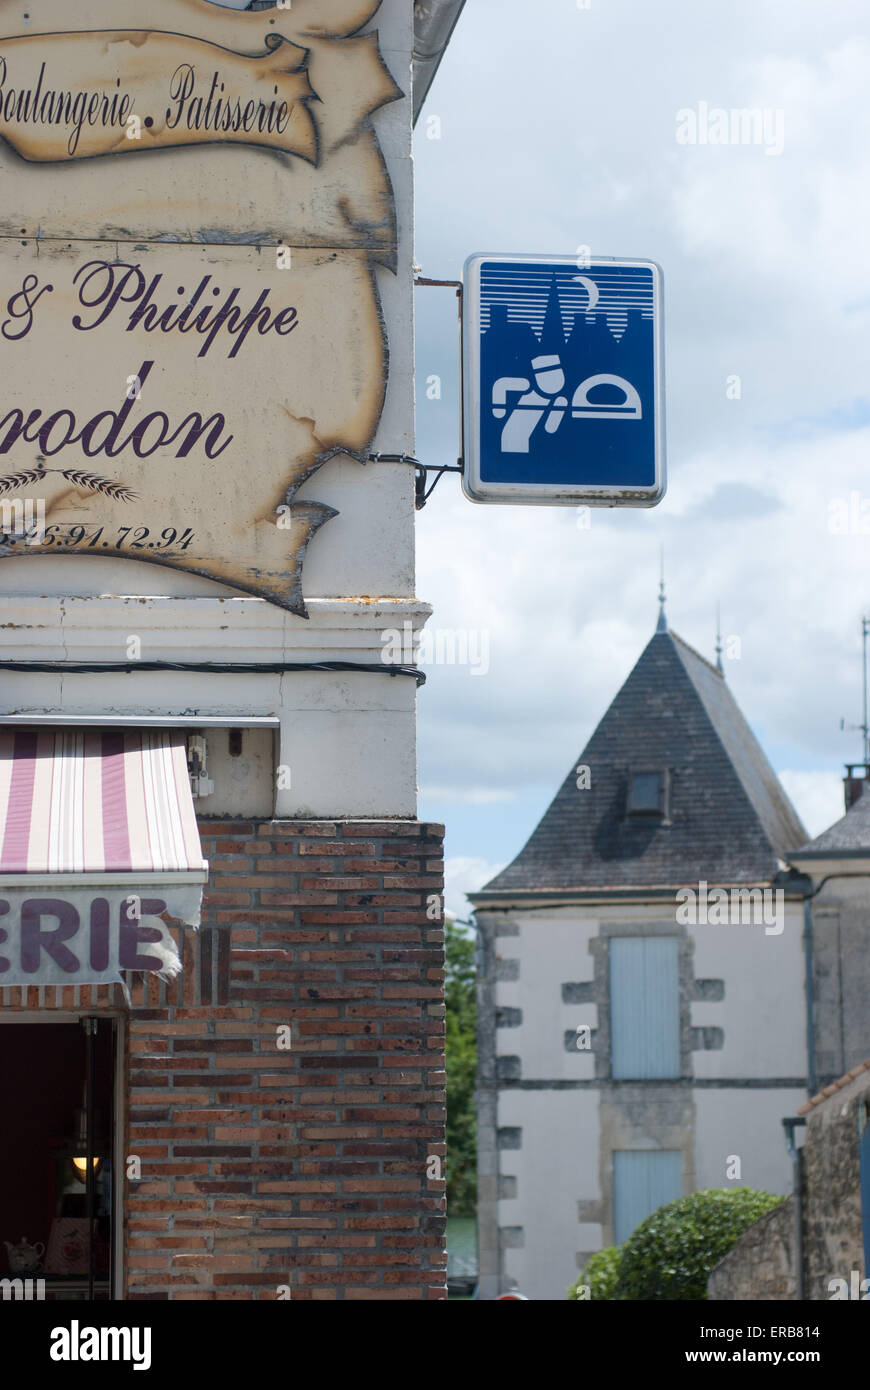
[(330, 79), (255, 101), (106, 66), (240, 30), (173, 433)]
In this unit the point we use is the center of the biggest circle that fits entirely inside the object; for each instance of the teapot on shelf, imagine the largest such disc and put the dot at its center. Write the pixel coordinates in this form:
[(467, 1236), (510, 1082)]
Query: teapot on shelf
[(23, 1257)]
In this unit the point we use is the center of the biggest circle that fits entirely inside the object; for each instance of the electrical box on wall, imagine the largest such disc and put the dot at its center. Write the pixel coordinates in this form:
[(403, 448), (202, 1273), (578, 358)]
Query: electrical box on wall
[(232, 771)]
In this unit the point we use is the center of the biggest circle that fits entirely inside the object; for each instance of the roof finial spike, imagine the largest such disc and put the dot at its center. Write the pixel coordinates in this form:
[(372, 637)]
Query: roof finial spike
[(719, 666), (662, 624)]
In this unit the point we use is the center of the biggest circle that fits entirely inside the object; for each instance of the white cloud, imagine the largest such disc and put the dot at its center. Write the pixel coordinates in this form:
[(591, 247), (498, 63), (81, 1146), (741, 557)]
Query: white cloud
[(465, 875), (569, 623), (817, 797), (469, 796), (765, 277)]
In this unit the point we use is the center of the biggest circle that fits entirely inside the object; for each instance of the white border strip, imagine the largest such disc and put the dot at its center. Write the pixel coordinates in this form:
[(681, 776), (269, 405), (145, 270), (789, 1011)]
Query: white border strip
[(88, 880)]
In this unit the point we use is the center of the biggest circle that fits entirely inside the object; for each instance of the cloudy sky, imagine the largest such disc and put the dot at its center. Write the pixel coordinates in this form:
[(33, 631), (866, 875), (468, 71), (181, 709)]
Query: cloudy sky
[(558, 129)]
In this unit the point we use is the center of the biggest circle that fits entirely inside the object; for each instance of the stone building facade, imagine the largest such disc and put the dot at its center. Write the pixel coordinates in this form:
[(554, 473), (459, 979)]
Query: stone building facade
[(836, 865), (817, 1248), (637, 1043)]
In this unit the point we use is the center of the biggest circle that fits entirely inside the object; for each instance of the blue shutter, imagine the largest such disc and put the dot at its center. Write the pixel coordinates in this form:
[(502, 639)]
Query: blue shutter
[(644, 1007), (643, 1181)]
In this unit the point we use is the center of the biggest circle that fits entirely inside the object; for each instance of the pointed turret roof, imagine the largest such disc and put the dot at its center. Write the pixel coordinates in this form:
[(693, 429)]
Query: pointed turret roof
[(729, 820)]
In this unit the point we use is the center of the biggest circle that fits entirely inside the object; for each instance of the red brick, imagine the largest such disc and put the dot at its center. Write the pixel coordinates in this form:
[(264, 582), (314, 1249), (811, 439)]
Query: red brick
[(304, 1166)]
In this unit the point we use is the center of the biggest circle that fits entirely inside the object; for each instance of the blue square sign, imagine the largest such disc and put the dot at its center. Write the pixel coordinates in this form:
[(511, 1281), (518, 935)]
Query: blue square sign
[(563, 382)]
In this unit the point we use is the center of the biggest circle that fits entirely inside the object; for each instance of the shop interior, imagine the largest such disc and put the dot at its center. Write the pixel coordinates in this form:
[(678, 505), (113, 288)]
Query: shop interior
[(56, 1168)]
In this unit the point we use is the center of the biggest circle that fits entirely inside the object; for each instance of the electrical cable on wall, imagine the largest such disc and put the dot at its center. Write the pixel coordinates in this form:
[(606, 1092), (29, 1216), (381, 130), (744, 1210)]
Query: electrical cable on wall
[(266, 668), (421, 493)]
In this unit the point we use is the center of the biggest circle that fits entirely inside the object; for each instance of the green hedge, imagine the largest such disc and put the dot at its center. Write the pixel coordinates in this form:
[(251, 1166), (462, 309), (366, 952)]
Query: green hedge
[(599, 1275), (670, 1254)]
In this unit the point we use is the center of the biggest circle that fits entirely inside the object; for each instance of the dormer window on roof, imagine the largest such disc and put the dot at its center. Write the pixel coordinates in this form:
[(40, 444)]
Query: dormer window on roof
[(648, 793)]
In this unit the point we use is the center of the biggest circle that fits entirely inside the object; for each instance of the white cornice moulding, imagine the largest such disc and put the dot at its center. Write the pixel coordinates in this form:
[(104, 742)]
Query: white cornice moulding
[(52, 628)]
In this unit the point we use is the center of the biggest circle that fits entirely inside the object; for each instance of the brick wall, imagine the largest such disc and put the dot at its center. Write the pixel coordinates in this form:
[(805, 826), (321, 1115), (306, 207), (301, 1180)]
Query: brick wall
[(306, 1167)]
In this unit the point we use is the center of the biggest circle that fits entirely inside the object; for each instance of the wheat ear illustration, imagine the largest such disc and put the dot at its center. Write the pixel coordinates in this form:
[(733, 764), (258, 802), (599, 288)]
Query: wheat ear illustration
[(11, 480), (94, 483), (91, 482)]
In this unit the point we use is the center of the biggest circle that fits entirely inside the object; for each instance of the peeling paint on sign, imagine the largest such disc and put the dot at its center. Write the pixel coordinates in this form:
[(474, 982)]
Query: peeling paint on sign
[(168, 382), (180, 403)]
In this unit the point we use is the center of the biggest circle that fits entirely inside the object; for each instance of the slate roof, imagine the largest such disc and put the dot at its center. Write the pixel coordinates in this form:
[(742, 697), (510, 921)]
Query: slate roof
[(730, 819), (848, 836)]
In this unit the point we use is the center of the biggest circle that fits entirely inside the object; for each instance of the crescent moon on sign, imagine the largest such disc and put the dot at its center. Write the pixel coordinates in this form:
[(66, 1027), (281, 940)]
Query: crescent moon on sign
[(591, 289)]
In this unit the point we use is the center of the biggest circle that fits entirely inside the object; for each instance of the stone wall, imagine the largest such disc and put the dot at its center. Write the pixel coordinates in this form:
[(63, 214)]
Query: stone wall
[(762, 1263), (834, 1240)]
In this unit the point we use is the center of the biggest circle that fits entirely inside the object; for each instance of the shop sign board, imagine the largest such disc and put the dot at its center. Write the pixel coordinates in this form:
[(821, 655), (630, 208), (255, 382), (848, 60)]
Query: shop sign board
[(190, 322)]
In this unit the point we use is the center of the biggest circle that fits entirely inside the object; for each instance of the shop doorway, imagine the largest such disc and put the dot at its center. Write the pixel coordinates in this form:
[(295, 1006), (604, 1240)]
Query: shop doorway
[(58, 1087)]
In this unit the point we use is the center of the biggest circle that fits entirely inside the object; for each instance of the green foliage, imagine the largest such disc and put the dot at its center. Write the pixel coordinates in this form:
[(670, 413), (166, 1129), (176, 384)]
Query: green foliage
[(461, 1002), (671, 1253), (599, 1275)]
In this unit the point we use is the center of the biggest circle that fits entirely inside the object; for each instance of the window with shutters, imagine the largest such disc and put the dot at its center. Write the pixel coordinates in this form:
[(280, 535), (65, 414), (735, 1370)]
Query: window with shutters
[(644, 1008), (643, 1181)]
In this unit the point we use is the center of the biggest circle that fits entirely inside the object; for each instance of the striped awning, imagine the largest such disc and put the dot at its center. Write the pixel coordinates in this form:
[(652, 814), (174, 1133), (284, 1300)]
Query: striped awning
[(97, 801)]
